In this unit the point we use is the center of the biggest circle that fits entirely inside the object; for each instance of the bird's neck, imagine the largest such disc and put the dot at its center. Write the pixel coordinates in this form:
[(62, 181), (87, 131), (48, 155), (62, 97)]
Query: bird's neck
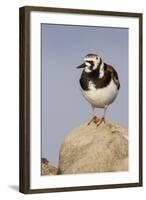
[(98, 72)]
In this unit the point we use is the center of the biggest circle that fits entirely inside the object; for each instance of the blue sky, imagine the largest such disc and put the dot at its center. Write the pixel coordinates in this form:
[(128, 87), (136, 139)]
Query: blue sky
[(63, 107)]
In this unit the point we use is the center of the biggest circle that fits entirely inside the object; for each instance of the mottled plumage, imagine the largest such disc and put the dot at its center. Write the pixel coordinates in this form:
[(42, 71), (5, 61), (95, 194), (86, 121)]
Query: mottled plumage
[(99, 83)]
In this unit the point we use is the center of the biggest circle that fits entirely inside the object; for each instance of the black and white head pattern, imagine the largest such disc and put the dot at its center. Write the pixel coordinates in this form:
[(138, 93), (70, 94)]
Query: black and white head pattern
[(92, 62)]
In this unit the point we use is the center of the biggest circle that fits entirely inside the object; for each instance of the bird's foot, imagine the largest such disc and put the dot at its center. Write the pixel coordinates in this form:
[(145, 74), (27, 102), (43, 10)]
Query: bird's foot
[(94, 119), (99, 121)]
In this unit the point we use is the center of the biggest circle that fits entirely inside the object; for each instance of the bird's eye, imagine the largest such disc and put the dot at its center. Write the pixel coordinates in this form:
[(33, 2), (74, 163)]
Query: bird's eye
[(91, 62)]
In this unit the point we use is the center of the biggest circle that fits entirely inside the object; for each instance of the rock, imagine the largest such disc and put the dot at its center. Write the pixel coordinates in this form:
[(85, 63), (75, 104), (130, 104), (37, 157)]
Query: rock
[(94, 149), (48, 169)]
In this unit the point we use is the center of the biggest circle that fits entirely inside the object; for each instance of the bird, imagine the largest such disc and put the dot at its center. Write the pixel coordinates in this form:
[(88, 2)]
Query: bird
[(99, 84)]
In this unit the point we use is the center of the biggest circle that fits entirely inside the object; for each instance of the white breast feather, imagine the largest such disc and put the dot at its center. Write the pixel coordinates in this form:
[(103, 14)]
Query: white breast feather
[(101, 70), (101, 97)]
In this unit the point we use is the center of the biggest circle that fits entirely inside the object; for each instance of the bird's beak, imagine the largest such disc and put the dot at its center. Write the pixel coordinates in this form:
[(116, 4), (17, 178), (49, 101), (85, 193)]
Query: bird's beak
[(81, 66)]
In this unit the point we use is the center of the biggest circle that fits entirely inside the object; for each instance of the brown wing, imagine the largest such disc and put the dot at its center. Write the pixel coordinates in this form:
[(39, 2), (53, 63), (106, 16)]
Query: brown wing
[(114, 75)]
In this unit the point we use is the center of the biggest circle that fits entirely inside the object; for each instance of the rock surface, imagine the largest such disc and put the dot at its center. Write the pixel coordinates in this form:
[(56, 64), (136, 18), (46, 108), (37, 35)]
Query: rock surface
[(48, 169), (94, 149)]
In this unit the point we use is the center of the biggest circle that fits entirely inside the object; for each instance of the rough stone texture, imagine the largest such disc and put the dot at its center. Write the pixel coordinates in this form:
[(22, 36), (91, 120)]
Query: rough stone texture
[(94, 149), (48, 169)]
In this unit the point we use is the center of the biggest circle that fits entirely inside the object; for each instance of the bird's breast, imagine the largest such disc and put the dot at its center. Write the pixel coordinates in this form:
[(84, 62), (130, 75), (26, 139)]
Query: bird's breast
[(99, 97)]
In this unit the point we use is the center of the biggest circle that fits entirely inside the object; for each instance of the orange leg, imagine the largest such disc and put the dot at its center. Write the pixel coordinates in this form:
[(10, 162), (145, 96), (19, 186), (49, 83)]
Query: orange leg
[(103, 118), (96, 120)]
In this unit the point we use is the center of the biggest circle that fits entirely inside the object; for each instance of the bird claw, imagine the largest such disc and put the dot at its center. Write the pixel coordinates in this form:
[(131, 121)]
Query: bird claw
[(100, 121), (96, 120)]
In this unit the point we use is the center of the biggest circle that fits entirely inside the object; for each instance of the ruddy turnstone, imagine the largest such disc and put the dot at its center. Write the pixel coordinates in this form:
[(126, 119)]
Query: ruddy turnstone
[(99, 84)]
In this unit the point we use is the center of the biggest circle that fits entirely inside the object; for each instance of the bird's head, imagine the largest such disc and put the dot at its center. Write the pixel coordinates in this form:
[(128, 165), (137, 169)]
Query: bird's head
[(91, 63)]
